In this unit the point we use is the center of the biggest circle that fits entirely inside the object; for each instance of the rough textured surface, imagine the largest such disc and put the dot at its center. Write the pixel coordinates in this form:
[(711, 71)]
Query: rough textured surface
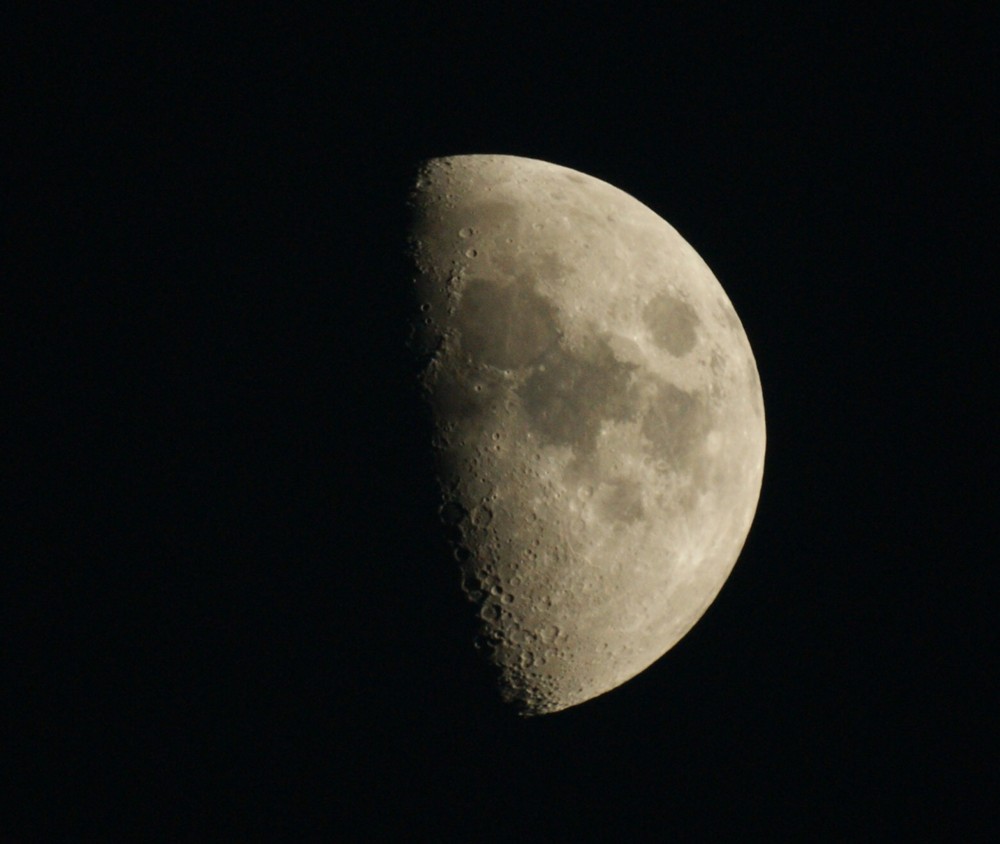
[(599, 419)]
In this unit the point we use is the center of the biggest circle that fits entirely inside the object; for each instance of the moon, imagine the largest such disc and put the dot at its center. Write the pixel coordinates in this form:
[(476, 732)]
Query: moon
[(598, 420)]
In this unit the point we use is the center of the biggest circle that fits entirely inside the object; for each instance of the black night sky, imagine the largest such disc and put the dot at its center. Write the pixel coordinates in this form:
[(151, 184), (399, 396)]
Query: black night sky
[(229, 611)]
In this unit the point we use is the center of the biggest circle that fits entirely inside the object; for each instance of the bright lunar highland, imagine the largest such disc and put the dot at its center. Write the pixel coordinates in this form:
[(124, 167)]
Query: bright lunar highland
[(598, 418)]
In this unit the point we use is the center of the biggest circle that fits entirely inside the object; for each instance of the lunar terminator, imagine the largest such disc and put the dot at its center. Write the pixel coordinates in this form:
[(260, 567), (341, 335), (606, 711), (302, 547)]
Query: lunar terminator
[(599, 421)]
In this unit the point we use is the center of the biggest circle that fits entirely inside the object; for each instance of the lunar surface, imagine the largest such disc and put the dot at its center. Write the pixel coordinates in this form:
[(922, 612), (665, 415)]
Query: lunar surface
[(599, 424)]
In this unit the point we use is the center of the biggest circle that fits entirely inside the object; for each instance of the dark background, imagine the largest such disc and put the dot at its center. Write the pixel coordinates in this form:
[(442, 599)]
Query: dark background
[(229, 608)]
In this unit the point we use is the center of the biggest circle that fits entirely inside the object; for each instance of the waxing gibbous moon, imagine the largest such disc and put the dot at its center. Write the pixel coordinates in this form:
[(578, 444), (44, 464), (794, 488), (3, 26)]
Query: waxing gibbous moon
[(599, 424)]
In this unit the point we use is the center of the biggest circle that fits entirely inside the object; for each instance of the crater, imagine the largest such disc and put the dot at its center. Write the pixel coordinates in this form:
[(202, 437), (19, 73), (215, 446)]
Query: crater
[(569, 395), (507, 326), (672, 323)]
